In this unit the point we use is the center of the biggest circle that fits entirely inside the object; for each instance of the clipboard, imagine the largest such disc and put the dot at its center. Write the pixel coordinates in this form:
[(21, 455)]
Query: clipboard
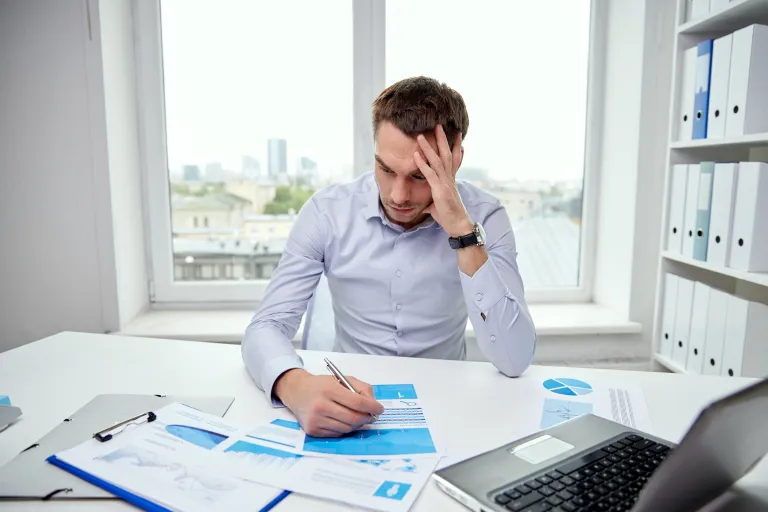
[(30, 476)]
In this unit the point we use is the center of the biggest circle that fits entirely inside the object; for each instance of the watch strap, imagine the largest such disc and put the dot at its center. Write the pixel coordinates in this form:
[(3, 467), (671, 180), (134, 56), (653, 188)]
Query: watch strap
[(463, 241)]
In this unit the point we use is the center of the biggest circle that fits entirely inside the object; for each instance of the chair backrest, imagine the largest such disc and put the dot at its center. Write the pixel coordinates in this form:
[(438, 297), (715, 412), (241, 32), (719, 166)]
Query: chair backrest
[(319, 327)]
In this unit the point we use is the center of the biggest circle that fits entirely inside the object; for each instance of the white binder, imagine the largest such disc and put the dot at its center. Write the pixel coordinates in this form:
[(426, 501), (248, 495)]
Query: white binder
[(718, 86), (668, 315), (745, 353), (687, 95), (677, 209), (755, 359), (749, 241), (682, 321), (748, 83), (713, 349), (721, 214), (697, 337), (691, 202)]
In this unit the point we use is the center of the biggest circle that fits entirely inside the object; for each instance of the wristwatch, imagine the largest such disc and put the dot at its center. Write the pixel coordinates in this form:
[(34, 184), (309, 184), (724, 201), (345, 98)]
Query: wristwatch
[(476, 237)]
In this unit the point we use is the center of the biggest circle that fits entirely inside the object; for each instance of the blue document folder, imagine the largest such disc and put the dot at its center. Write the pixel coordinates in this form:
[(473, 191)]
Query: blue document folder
[(701, 98)]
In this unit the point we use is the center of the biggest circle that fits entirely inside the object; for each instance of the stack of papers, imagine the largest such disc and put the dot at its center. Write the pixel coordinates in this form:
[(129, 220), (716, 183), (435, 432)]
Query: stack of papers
[(192, 461)]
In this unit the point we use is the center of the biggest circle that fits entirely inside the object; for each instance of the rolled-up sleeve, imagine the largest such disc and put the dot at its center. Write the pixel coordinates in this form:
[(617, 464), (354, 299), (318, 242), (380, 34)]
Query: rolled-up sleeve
[(267, 350), (507, 335)]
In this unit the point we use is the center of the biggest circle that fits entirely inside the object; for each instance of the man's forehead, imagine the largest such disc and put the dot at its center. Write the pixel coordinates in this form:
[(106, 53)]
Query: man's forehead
[(378, 146)]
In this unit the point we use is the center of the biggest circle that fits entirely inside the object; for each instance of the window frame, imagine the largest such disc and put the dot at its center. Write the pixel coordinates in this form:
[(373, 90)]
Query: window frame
[(369, 67)]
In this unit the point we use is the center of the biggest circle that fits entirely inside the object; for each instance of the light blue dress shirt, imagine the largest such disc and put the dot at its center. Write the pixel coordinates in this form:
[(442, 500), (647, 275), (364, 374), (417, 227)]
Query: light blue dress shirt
[(395, 292)]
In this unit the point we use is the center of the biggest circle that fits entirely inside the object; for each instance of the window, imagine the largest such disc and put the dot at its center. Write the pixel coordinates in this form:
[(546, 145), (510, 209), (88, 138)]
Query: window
[(249, 107), (524, 81)]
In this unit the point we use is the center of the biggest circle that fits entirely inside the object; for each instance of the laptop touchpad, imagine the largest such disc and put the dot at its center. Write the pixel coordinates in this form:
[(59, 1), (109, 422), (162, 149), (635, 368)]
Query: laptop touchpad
[(540, 449)]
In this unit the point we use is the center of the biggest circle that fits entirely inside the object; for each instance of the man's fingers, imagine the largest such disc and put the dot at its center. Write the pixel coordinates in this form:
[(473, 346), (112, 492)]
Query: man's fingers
[(433, 158), (456, 158), (352, 419), (446, 157), (335, 425), (356, 401), (432, 178), (362, 387)]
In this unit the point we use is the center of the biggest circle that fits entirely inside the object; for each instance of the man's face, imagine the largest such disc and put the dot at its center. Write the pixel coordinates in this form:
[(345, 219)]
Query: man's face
[(403, 189)]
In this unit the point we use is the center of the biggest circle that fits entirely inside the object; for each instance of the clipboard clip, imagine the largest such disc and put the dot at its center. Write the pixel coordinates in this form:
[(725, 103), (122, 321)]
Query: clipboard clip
[(118, 428)]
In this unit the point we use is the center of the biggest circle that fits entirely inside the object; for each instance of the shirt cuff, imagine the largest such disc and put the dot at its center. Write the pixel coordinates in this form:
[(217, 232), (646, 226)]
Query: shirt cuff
[(275, 368), (484, 289)]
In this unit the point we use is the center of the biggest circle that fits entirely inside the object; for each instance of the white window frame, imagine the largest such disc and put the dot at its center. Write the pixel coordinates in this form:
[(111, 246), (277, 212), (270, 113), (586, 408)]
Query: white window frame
[(369, 66)]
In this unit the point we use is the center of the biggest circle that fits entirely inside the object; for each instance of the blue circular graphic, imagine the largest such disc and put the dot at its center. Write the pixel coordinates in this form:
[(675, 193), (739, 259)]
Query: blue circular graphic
[(569, 387)]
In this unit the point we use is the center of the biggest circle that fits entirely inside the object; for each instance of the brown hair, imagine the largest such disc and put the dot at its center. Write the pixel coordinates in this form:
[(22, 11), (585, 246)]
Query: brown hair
[(418, 104)]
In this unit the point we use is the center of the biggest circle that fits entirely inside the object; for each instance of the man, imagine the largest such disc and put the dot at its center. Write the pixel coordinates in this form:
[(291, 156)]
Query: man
[(409, 254)]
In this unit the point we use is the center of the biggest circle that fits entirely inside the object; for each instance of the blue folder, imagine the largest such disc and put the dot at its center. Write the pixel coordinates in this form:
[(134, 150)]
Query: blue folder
[(701, 98), (703, 209), (131, 498)]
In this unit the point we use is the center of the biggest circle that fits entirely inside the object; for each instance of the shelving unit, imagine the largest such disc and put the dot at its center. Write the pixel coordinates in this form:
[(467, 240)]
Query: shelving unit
[(669, 364), (748, 141), (747, 277), (738, 14), (750, 286)]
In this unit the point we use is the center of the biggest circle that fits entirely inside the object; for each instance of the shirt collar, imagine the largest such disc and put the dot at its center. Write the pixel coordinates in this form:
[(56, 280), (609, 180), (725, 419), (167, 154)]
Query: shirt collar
[(372, 207)]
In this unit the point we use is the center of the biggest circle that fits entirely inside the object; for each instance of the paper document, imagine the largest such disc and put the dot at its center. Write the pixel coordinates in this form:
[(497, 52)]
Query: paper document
[(189, 460), (566, 398), (401, 430), (381, 484), (171, 462)]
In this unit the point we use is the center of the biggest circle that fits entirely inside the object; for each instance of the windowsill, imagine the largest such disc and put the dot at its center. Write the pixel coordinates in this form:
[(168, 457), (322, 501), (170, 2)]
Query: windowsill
[(227, 326)]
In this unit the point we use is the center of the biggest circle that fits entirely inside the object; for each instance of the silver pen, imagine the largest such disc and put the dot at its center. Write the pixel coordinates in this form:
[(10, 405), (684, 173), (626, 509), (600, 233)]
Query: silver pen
[(342, 380)]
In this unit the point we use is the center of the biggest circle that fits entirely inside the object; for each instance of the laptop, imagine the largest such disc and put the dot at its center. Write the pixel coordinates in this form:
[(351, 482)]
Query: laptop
[(590, 463)]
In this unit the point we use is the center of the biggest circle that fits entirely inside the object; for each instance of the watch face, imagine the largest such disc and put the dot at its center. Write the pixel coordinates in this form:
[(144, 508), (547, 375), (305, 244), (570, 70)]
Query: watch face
[(479, 233)]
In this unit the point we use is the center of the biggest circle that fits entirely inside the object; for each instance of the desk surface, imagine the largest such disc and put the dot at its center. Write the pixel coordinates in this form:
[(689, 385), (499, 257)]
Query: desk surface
[(51, 378)]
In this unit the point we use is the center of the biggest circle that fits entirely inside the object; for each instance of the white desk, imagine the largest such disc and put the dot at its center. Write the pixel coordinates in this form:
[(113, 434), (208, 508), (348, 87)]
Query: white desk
[(53, 377)]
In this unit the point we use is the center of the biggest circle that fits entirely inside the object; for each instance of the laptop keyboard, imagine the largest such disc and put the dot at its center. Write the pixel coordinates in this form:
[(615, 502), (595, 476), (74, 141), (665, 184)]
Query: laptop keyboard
[(607, 479)]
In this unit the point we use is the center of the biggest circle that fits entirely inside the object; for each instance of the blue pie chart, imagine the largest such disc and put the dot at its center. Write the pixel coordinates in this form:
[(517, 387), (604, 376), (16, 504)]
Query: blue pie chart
[(568, 387)]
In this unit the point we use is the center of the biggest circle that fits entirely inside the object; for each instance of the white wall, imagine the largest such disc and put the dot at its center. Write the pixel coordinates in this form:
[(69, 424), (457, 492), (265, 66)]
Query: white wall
[(634, 144), (618, 170), (50, 253), (652, 156), (120, 95), (57, 250)]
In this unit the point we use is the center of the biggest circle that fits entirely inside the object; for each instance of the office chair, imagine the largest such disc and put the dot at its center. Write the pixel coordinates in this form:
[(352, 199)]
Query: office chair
[(319, 328)]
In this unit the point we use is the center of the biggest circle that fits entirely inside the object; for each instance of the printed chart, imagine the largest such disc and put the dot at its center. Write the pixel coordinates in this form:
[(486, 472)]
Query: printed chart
[(568, 387)]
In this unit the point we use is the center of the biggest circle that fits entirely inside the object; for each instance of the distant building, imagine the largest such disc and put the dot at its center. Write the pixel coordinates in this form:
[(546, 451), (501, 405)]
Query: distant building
[(215, 172), (251, 168), (192, 173), (519, 203), (307, 174), (268, 227), (278, 159), (259, 194), (208, 215), (217, 260)]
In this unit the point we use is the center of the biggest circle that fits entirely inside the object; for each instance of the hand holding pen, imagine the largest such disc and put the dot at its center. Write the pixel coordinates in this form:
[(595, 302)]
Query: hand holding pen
[(323, 404), (343, 380)]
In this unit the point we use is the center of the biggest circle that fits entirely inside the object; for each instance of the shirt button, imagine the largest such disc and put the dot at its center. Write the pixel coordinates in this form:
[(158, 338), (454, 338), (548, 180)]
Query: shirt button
[(399, 306), (399, 333), (479, 296), (398, 273), (493, 338)]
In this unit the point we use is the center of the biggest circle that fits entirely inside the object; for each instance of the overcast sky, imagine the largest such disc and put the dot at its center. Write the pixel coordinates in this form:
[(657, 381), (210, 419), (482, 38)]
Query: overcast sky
[(238, 72)]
